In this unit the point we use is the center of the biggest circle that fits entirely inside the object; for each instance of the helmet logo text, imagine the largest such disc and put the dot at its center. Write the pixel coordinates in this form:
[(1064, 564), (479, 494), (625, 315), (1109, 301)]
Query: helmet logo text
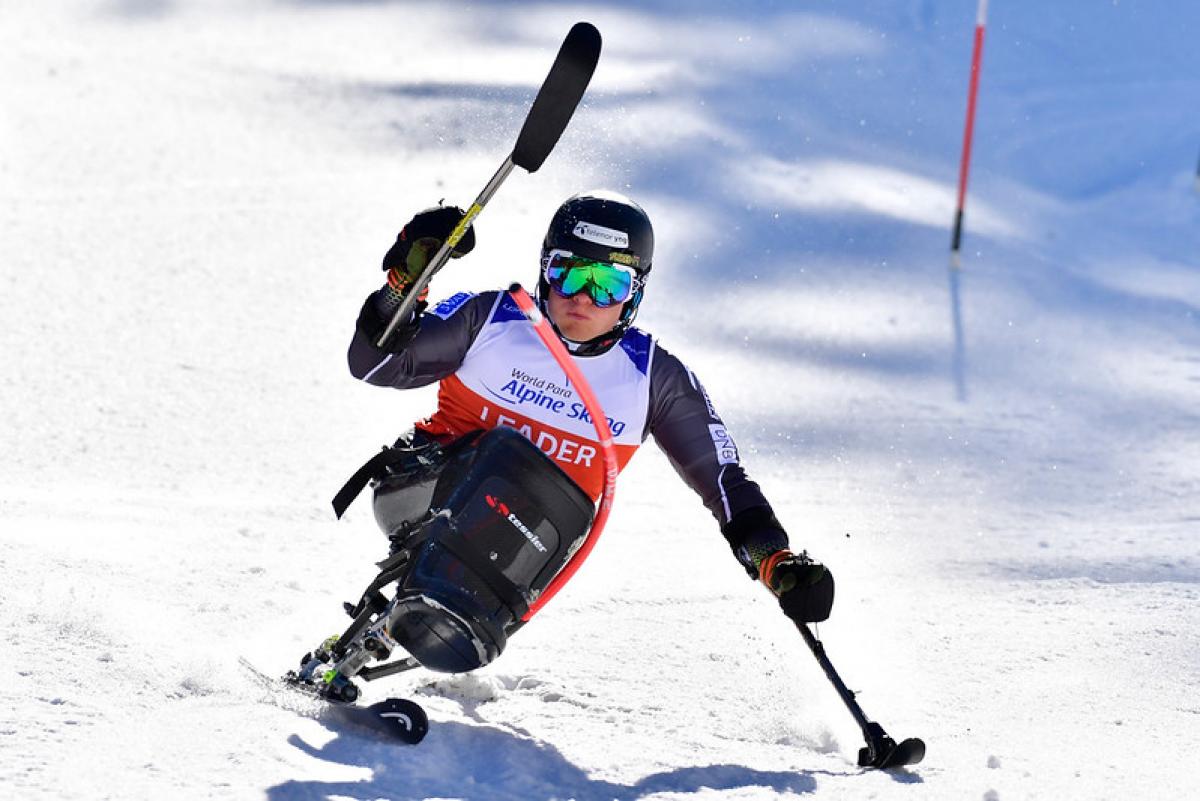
[(601, 235)]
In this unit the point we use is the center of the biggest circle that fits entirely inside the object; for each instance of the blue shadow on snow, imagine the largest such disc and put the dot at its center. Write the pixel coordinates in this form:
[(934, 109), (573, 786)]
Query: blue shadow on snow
[(483, 763)]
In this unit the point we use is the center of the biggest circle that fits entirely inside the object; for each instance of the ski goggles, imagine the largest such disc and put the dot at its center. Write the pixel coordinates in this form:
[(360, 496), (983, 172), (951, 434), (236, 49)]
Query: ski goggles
[(605, 283)]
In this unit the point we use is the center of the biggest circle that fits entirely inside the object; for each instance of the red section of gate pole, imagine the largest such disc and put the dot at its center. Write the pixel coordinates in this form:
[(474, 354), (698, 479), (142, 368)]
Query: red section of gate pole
[(575, 375), (969, 132)]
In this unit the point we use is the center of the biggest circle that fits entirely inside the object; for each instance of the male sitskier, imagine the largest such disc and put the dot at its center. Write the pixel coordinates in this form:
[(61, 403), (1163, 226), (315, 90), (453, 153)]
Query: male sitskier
[(493, 371)]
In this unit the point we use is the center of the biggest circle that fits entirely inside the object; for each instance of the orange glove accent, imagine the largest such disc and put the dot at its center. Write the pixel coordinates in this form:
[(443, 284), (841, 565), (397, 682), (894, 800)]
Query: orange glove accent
[(399, 282), (766, 570)]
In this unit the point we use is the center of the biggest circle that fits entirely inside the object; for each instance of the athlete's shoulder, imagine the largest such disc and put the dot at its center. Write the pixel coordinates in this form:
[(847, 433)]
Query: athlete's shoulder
[(450, 306), (676, 393), (646, 351), (504, 308), (665, 362), (639, 346), (490, 306)]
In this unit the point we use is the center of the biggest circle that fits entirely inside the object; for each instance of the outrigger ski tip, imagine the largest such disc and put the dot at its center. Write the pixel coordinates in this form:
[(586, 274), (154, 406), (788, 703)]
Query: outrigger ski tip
[(883, 752)]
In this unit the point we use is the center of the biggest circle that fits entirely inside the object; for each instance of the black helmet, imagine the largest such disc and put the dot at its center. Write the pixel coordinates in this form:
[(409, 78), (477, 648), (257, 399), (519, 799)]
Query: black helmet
[(604, 226)]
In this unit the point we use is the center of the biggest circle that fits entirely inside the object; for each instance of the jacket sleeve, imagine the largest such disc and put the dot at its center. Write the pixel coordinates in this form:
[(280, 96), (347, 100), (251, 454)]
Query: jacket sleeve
[(436, 343), (698, 445)]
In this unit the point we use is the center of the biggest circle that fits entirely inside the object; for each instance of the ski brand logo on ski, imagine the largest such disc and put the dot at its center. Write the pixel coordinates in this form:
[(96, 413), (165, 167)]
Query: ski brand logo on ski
[(601, 235), (503, 510)]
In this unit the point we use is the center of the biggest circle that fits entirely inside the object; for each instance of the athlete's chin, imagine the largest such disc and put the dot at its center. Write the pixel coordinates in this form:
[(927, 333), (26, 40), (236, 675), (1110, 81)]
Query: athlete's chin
[(573, 326), (577, 333)]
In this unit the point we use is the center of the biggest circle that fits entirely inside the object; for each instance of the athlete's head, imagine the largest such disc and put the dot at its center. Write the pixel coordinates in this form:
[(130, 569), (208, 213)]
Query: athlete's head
[(595, 261)]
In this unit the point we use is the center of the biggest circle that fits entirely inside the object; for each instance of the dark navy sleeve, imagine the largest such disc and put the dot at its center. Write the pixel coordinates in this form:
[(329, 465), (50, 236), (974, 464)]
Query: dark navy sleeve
[(698, 445), (444, 335)]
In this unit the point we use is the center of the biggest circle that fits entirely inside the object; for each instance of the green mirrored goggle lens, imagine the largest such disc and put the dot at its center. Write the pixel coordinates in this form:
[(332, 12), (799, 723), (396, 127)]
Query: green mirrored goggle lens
[(605, 283)]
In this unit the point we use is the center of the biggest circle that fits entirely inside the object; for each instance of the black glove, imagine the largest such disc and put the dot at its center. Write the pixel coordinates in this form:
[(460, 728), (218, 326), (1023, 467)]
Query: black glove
[(421, 237), (804, 587), (372, 323)]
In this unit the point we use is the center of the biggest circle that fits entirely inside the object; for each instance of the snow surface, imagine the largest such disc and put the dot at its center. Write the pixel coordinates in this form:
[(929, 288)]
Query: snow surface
[(195, 199)]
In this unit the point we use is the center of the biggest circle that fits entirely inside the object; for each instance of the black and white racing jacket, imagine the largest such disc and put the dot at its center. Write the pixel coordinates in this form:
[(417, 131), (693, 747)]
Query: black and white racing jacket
[(493, 370)]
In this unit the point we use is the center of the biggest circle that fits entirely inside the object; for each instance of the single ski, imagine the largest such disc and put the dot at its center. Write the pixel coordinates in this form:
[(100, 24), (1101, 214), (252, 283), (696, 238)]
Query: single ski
[(396, 718)]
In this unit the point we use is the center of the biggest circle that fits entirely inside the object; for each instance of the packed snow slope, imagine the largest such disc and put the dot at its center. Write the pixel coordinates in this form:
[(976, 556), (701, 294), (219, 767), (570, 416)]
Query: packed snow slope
[(999, 466)]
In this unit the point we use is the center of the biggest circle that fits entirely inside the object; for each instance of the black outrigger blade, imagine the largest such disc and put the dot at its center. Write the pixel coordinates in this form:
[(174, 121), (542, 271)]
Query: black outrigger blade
[(881, 750), (552, 109)]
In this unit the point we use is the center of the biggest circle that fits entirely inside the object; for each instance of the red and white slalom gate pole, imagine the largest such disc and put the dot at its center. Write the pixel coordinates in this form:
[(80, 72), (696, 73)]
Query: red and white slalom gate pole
[(965, 166), (551, 341)]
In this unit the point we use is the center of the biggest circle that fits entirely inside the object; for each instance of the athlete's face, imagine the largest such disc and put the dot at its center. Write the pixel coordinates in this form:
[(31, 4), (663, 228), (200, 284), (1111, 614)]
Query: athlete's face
[(579, 319)]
